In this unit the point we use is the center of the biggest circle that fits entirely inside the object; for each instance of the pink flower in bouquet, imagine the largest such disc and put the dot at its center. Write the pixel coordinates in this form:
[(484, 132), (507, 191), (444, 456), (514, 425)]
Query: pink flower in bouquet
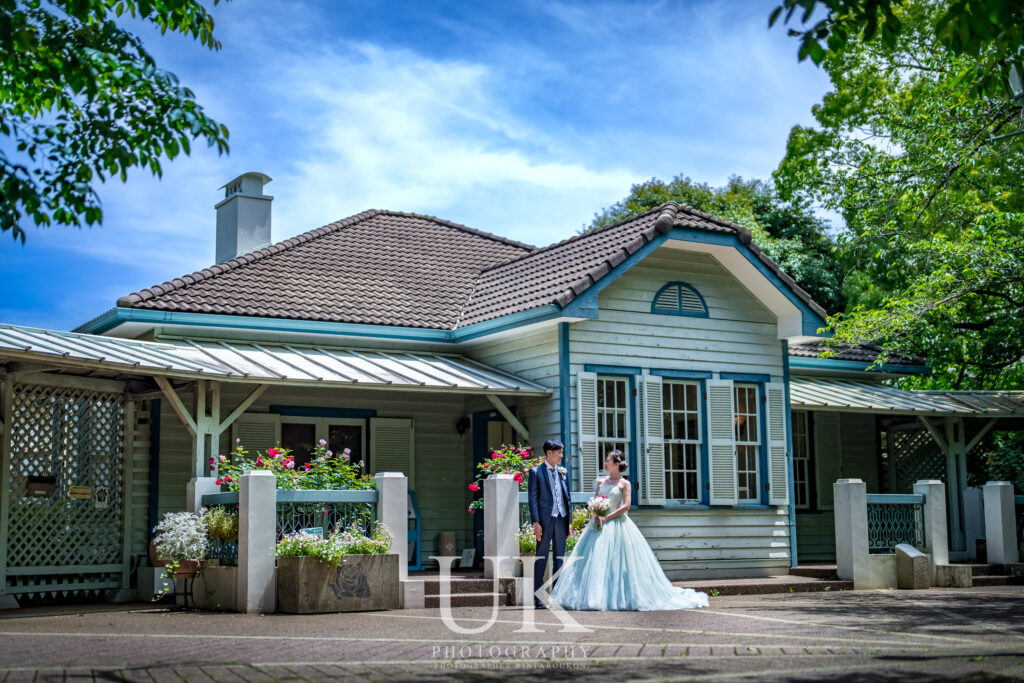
[(474, 487)]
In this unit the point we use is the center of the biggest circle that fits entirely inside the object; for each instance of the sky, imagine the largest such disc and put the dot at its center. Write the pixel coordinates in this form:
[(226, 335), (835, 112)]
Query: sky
[(519, 118)]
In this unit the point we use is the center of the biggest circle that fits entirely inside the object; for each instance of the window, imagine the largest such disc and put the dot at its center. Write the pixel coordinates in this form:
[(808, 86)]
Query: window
[(679, 298), (801, 460), (681, 413), (300, 435), (748, 442), (612, 416)]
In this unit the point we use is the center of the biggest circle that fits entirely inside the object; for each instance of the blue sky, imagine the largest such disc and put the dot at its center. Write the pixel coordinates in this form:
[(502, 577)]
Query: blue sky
[(519, 118)]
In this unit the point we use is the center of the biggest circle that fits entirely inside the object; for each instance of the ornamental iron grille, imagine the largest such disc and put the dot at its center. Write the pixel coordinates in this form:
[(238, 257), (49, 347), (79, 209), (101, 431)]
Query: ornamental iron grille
[(65, 490), (890, 524), (331, 518)]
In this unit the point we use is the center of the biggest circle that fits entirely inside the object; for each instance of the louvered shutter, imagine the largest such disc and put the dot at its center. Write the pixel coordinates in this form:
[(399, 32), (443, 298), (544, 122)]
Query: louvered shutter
[(652, 484), (586, 421), (827, 456), (721, 443), (778, 468), (391, 445), (257, 431)]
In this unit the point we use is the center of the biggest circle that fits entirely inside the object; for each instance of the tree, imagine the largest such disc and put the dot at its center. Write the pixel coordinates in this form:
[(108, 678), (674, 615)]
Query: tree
[(990, 31), (81, 100), (788, 231), (934, 206)]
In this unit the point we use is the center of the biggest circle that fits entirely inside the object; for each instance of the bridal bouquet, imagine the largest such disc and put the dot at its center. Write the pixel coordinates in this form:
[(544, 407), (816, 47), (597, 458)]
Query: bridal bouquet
[(599, 505)]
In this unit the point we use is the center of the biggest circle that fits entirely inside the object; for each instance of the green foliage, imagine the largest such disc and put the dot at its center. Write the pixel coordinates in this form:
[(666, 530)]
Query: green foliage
[(934, 209), (324, 471), (221, 524), (333, 549), (788, 231), (515, 460), (527, 539), (987, 31), (180, 536), (81, 101)]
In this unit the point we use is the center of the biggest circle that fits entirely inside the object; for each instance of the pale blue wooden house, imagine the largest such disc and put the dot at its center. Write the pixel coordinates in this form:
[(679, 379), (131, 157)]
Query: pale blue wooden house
[(421, 345)]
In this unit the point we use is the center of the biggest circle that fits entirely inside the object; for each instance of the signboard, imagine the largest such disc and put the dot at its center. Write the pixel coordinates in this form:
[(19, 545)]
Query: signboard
[(100, 500), (313, 531), (81, 492)]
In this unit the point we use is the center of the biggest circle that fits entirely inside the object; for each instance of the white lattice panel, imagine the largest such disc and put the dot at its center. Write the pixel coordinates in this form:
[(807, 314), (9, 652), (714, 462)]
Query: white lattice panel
[(917, 457), (75, 436)]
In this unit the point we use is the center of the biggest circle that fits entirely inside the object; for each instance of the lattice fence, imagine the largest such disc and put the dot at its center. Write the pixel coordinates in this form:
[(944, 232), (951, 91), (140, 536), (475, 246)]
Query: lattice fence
[(917, 457), (67, 539)]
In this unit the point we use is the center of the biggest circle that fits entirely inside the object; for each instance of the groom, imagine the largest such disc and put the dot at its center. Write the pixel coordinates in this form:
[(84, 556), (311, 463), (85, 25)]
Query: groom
[(550, 510)]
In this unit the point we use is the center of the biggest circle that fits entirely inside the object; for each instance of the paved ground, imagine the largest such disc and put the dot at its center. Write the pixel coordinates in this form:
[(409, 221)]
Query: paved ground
[(974, 634)]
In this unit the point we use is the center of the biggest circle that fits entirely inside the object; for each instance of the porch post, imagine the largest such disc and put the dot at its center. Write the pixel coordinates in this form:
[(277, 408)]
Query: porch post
[(1000, 527), (256, 587), (936, 539), (6, 398), (954, 451), (850, 502), (393, 512), (501, 521)]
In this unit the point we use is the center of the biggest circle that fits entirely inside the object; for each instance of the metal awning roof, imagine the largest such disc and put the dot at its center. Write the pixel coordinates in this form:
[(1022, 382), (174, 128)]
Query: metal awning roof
[(852, 396), (260, 362)]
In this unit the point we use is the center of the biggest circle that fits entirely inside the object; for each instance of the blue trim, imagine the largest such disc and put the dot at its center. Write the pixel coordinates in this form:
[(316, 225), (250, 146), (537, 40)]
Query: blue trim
[(618, 370), (304, 411), (565, 396), (585, 305), (154, 465), (682, 507), (682, 374), (755, 377), (895, 498), (679, 286), (859, 366), (790, 468), (703, 464), (117, 316), (762, 456), (634, 435)]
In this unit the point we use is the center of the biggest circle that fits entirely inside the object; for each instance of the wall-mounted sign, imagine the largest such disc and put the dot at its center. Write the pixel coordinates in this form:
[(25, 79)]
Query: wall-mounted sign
[(101, 496), (80, 492), (37, 486), (313, 531)]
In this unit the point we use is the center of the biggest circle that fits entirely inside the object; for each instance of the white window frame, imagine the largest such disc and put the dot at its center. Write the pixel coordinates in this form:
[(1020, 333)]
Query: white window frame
[(606, 443), (801, 459), (669, 409), (742, 446)]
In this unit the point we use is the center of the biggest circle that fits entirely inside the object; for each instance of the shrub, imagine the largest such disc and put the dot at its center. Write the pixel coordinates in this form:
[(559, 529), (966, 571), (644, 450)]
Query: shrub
[(221, 524), (527, 539), (323, 471), (180, 536), (515, 460), (352, 541)]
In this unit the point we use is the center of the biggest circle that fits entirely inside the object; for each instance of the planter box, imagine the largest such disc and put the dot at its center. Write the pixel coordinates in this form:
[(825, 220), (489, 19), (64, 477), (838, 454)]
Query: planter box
[(215, 587), (305, 585)]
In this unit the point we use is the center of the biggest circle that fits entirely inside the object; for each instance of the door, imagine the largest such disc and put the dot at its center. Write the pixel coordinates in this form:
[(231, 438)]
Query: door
[(301, 434)]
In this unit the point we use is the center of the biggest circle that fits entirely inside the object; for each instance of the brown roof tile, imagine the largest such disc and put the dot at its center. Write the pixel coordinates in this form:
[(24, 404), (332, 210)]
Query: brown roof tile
[(866, 353)]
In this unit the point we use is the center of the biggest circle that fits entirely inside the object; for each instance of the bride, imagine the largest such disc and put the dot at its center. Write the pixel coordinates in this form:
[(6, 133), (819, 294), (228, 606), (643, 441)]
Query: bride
[(612, 567)]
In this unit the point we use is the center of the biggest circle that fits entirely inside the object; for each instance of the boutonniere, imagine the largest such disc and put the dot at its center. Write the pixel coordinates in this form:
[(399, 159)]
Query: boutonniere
[(562, 471)]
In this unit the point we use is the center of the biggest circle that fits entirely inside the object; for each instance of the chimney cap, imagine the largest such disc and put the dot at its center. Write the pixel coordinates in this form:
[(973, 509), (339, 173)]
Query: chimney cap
[(263, 178), (248, 184)]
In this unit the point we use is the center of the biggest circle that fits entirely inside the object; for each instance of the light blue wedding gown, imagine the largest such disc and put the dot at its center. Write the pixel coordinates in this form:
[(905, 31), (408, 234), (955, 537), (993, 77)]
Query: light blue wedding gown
[(613, 568)]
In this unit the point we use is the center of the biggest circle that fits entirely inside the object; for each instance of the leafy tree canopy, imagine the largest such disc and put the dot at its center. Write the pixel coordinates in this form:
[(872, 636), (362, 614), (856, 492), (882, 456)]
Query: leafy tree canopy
[(81, 100), (934, 207), (990, 31), (788, 231)]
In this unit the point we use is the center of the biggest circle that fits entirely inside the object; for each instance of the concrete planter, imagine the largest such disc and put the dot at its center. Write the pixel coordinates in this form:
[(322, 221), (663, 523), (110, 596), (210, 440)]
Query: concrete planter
[(361, 583)]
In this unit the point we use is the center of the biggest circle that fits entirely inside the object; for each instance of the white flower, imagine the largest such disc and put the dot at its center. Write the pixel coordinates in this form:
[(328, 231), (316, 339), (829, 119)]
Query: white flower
[(323, 442), (562, 471)]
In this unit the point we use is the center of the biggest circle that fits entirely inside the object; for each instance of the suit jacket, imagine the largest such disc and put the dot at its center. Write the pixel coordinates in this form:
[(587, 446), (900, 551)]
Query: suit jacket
[(542, 497)]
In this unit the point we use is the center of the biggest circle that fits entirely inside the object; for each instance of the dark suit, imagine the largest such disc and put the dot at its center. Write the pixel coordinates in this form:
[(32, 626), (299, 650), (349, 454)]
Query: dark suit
[(553, 529)]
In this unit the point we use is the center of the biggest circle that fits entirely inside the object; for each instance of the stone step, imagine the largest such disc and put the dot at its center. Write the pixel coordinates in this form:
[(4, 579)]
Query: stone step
[(986, 570), (996, 580), (469, 600), (816, 571), (433, 585), (766, 585)]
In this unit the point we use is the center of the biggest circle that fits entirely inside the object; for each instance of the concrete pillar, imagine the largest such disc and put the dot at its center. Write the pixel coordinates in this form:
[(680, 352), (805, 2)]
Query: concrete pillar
[(501, 522), (1000, 528), (936, 536), (974, 520), (851, 515), (197, 488), (393, 512), (257, 543)]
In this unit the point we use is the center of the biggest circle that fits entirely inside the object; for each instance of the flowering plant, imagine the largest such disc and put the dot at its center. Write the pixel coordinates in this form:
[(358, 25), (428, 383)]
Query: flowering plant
[(515, 460), (180, 536), (332, 550), (323, 471), (599, 505)]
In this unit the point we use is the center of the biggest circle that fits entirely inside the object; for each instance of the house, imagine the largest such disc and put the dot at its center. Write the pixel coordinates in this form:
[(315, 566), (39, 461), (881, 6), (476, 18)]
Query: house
[(421, 344)]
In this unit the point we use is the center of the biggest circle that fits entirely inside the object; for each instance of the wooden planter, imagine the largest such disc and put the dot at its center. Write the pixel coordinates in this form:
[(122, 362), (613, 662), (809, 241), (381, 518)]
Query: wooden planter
[(361, 583)]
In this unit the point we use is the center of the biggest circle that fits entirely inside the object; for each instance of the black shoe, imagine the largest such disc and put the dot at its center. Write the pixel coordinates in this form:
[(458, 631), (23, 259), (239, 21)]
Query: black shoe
[(539, 605)]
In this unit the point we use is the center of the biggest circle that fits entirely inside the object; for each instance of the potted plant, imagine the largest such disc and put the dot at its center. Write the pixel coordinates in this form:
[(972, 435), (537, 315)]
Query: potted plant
[(351, 571), (180, 541), (515, 460)]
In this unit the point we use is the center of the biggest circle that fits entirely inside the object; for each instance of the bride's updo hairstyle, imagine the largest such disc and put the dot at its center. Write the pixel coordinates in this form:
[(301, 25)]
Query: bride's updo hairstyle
[(619, 458)]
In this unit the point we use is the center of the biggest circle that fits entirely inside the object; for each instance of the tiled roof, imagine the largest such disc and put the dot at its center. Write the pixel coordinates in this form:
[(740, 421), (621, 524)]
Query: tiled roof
[(866, 353), (377, 267), (388, 268), (559, 273)]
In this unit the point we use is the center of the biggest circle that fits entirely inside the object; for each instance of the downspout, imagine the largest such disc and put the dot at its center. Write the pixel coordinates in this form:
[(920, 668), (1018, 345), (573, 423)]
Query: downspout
[(789, 457)]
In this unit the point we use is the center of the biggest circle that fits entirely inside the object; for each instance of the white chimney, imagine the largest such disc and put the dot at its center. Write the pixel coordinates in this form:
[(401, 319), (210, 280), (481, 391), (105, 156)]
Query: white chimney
[(243, 217)]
